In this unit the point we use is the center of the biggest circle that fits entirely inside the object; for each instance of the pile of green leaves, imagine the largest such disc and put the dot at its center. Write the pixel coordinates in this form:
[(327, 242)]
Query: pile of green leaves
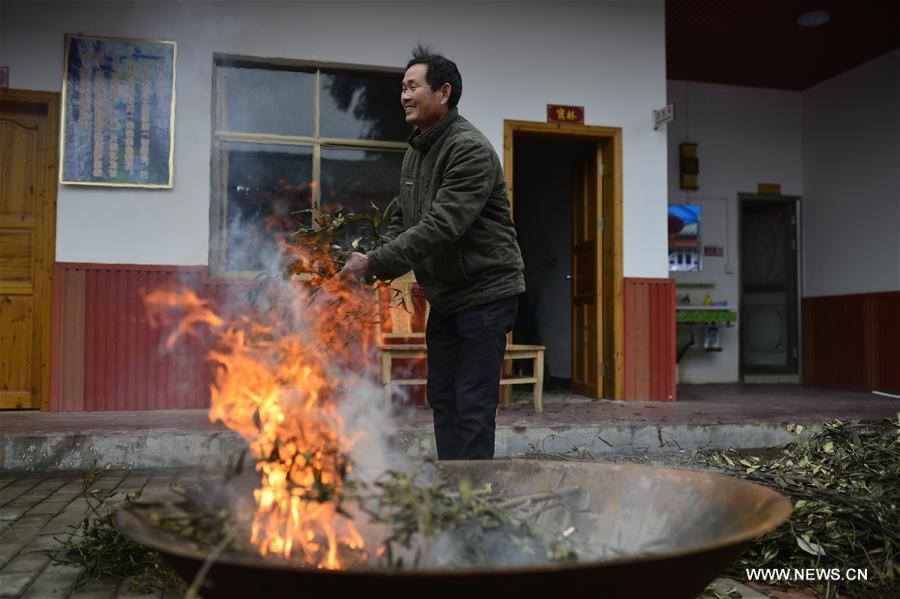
[(319, 250), (317, 253), (476, 525), (103, 552), (845, 482), (361, 231)]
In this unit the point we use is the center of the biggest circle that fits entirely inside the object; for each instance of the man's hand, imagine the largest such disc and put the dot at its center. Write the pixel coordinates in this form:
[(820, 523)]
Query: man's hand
[(357, 266)]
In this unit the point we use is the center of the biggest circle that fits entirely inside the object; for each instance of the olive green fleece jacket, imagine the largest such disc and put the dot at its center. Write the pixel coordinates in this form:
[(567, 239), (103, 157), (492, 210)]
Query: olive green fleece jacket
[(453, 226)]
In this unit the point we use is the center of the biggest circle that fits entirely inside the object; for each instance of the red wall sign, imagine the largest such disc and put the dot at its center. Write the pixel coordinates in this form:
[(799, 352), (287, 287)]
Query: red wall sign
[(565, 114)]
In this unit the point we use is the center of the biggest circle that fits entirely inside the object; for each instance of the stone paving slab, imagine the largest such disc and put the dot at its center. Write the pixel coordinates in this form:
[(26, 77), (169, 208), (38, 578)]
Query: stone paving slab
[(732, 589), (47, 508), (14, 584), (33, 561), (56, 580), (98, 589)]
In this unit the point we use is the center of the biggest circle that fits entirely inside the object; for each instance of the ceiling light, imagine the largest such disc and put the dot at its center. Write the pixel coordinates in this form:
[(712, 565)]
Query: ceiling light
[(813, 18)]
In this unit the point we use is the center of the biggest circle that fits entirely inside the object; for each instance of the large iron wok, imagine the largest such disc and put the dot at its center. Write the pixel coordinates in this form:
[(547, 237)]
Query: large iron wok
[(668, 532)]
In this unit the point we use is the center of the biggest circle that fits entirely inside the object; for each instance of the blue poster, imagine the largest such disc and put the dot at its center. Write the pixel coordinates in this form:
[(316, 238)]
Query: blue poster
[(118, 112)]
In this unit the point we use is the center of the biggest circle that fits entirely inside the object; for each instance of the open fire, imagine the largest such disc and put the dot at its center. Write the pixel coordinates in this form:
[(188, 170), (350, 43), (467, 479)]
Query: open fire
[(280, 375)]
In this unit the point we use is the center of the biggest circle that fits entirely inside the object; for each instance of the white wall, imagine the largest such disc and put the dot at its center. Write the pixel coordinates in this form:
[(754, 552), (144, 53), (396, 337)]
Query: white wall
[(515, 58), (746, 136), (851, 180)]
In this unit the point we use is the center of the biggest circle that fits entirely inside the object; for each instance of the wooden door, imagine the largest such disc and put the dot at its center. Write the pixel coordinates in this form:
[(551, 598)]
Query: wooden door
[(588, 360), (28, 171)]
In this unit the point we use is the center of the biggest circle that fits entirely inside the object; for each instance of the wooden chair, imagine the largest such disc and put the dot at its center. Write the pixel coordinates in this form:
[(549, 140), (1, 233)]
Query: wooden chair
[(535, 353), (391, 352), (401, 320)]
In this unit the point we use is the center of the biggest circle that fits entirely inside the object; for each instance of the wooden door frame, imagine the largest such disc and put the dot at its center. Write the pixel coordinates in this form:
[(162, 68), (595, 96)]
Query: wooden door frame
[(48, 231), (611, 208)]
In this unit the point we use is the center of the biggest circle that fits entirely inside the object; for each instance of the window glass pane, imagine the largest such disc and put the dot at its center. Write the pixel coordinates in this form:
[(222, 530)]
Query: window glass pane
[(353, 179), (362, 107), (266, 184), (267, 101)]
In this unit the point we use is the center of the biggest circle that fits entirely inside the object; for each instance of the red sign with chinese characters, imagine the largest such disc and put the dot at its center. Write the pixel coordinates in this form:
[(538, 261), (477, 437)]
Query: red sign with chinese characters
[(565, 114)]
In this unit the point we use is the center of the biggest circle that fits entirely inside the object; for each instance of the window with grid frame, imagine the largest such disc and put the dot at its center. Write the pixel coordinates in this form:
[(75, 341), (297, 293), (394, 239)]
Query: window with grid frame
[(291, 140)]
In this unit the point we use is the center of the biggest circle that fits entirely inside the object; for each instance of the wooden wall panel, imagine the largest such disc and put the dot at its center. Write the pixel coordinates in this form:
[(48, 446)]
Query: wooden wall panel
[(649, 339), (852, 341), (888, 346), (106, 356), (71, 335)]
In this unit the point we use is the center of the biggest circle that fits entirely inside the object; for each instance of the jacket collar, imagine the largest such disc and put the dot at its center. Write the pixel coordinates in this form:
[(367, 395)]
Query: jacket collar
[(422, 142)]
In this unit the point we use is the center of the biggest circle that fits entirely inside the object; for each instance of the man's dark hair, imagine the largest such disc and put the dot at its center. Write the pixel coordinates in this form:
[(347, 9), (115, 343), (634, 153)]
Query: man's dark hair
[(440, 71)]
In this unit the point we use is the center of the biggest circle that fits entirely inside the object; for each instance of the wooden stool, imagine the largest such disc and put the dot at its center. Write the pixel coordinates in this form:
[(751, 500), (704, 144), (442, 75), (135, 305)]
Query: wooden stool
[(389, 352), (525, 352)]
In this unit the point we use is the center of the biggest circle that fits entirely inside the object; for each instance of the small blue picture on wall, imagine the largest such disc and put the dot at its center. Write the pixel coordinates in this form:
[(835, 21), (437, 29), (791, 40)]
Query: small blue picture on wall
[(684, 238)]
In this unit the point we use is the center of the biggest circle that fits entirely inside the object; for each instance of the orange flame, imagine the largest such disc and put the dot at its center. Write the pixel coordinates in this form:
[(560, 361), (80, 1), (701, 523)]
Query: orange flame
[(279, 380)]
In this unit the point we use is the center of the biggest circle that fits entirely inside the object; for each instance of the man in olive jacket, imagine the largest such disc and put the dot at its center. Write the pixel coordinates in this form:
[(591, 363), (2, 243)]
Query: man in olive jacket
[(453, 228)]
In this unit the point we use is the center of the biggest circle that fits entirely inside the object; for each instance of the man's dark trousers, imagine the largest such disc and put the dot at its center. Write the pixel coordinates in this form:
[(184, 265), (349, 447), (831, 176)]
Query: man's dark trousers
[(465, 353)]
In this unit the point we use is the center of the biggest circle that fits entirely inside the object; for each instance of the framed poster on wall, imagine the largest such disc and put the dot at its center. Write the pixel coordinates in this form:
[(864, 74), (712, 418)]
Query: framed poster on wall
[(118, 112)]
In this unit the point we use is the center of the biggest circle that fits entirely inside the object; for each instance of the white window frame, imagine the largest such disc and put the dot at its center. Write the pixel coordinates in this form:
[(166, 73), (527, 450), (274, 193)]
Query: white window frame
[(218, 206)]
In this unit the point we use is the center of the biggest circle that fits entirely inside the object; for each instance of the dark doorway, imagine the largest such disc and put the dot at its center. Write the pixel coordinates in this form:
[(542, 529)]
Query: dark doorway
[(769, 286), (544, 178)]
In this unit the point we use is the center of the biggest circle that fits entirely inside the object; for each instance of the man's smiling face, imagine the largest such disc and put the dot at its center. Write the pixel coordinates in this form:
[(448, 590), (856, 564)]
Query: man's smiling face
[(422, 106)]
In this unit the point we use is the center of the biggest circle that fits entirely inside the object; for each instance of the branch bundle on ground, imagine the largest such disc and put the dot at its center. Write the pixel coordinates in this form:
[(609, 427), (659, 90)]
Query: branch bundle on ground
[(845, 482)]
